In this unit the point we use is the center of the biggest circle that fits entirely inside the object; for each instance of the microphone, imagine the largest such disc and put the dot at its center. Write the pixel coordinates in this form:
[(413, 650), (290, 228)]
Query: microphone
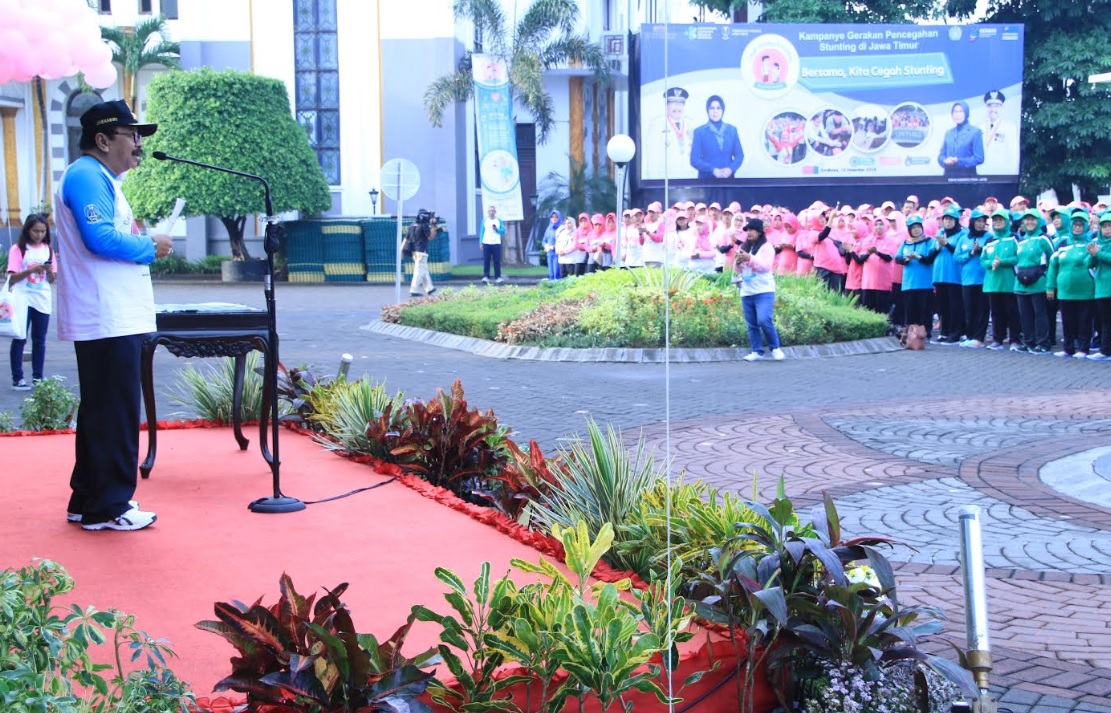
[(271, 240)]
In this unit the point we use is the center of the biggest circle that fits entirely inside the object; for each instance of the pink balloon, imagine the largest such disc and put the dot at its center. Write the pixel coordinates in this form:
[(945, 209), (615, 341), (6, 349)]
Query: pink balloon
[(55, 66), (13, 42), (6, 69), (87, 54), (37, 21), (102, 77), (54, 42)]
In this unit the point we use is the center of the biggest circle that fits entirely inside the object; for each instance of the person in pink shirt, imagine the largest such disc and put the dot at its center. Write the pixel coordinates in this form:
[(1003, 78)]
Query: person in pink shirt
[(851, 248), (652, 231), (596, 242), (701, 250), (878, 250), (786, 259), (632, 242), (807, 241), (897, 232), (829, 260), (583, 235)]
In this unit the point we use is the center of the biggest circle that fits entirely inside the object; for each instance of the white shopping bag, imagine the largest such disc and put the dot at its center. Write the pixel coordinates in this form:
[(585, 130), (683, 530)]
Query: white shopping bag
[(13, 313)]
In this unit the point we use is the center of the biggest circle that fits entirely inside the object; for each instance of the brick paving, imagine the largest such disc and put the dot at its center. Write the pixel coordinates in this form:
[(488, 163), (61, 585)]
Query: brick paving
[(900, 439)]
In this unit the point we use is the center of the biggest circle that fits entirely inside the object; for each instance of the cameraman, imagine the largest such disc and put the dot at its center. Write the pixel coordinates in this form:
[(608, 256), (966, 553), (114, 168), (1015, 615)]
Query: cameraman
[(421, 234)]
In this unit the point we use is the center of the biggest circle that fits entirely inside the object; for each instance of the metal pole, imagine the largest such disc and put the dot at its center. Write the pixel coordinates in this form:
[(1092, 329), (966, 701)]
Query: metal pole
[(975, 604), (397, 249), (620, 218)]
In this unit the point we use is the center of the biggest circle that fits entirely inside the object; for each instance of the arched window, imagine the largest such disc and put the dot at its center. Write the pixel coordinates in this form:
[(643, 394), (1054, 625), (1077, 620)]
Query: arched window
[(79, 102)]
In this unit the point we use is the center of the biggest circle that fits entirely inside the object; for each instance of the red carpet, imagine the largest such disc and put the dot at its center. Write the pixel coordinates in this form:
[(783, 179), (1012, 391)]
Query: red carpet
[(207, 547)]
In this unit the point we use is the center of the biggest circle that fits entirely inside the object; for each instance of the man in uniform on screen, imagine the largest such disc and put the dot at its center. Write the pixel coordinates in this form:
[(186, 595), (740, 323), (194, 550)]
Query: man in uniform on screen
[(1000, 139), (669, 140)]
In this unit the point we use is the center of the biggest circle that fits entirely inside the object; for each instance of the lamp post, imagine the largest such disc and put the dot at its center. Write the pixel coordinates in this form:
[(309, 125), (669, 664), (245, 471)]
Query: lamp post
[(374, 201), (620, 150)]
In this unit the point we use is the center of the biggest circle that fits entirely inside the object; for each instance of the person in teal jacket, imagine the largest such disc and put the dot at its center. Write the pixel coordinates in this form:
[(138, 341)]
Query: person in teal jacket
[(1099, 260), (1070, 282), (1034, 251), (970, 245), (916, 255), (947, 277), (998, 259)]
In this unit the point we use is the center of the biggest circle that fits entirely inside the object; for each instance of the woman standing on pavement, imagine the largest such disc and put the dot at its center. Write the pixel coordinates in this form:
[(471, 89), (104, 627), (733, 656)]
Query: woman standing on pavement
[(1071, 283), (31, 273), (754, 271), (916, 255), (566, 248), (1099, 260), (1034, 251), (998, 259)]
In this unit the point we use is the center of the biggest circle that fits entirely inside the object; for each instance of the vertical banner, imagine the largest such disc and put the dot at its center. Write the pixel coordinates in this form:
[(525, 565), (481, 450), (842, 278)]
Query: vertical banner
[(497, 138)]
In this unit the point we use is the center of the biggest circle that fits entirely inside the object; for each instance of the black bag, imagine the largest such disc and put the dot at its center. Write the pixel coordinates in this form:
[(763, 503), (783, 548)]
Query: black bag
[(1029, 275)]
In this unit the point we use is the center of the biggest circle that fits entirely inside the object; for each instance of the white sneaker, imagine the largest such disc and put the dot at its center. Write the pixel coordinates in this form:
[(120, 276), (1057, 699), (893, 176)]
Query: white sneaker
[(499, 281), (778, 355), (21, 385), (1080, 355), (1061, 353), (754, 356), (75, 517), (133, 519), (1098, 356)]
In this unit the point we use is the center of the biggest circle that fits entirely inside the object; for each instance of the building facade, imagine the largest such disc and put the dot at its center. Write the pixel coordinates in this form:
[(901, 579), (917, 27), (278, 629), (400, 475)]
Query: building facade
[(356, 73)]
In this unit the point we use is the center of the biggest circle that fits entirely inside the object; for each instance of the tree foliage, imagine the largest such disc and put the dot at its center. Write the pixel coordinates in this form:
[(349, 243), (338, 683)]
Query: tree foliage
[(875, 11), (545, 37), (233, 119), (136, 47)]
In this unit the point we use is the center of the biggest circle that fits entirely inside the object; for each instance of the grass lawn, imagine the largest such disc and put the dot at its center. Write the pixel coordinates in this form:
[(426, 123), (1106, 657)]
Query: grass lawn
[(475, 271)]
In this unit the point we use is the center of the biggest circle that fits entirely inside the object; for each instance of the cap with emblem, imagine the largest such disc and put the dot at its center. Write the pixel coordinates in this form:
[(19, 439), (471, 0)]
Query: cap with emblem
[(994, 97), (676, 94)]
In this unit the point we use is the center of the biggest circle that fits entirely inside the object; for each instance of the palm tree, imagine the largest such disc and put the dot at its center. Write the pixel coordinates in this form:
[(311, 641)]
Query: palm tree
[(544, 38), (136, 47)]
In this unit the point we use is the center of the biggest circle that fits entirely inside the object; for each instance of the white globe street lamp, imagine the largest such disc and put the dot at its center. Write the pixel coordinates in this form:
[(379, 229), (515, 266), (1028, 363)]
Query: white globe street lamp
[(620, 150)]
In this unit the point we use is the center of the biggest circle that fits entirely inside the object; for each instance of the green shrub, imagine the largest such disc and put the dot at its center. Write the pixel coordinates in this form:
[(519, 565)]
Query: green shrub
[(50, 407), (627, 308), (47, 664), (208, 391), (343, 409), (7, 423), (599, 483), (177, 265)]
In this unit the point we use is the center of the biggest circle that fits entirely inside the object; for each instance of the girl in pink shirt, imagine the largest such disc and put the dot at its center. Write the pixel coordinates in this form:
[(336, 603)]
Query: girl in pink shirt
[(879, 261), (807, 241)]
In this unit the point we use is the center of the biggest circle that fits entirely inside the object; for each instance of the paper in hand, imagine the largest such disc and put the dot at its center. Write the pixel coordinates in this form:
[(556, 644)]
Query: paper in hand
[(179, 206)]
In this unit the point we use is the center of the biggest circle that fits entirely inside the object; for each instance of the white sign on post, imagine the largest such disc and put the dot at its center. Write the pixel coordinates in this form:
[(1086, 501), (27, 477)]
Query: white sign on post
[(400, 182)]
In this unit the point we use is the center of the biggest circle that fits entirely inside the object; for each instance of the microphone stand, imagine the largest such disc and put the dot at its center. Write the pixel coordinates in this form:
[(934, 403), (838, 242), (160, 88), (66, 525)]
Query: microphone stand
[(277, 503)]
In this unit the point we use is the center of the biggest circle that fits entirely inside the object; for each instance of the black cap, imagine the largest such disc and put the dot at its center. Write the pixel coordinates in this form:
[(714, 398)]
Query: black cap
[(108, 115), (994, 97), (676, 94), (755, 224)]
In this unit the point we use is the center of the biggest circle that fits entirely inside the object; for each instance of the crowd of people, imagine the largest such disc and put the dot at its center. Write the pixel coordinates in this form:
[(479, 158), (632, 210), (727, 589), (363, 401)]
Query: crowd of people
[(994, 277)]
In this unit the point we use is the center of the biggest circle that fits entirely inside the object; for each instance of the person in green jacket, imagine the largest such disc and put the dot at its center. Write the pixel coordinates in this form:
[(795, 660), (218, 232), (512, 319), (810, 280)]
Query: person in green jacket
[(1034, 251), (998, 258), (1070, 282), (1099, 259)]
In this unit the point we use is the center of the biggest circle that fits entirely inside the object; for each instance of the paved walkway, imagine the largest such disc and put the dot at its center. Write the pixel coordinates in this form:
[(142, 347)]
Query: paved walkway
[(900, 439)]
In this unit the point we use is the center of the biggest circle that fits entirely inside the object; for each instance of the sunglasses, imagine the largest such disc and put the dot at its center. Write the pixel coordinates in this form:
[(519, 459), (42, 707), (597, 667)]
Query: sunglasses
[(135, 136)]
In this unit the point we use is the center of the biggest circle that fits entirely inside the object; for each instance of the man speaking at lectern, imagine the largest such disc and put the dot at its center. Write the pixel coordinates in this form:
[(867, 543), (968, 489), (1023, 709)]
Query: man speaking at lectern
[(105, 307)]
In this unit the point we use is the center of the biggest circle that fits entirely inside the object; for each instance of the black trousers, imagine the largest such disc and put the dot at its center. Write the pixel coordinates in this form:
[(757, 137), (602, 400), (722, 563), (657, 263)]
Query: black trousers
[(950, 310), (834, 280), (877, 300), (1103, 312), (1076, 324), (1004, 317), (975, 304), (918, 304), (898, 312), (107, 450), (1034, 318)]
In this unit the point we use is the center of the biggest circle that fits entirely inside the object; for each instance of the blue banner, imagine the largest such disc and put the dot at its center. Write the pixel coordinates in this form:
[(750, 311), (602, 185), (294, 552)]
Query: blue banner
[(742, 104), (497, 138)]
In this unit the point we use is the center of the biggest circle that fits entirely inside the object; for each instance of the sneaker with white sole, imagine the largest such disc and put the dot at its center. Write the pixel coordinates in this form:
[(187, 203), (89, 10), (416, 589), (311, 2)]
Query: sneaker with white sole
[(1061, 353), (1080, 355), (499, 281), (778, 355), (75, 517), (21, 385), (754, 356), (133, 519), (1098, 356)]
